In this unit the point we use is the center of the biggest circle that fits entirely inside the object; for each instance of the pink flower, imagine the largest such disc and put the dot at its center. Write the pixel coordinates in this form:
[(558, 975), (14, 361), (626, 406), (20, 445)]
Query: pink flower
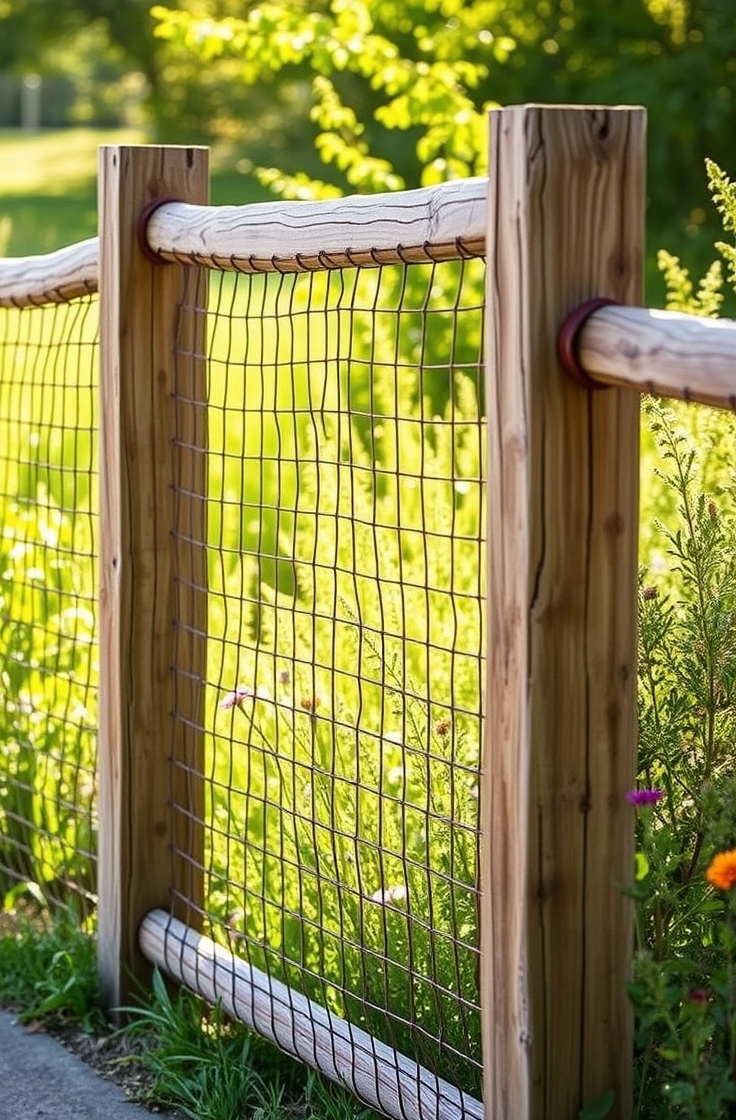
[(243, 692), (642, 797)]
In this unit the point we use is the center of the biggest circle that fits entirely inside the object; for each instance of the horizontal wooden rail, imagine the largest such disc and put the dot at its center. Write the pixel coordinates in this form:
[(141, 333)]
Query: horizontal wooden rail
[(52, 278), (660, 352), (348, 1055), (433, 223)]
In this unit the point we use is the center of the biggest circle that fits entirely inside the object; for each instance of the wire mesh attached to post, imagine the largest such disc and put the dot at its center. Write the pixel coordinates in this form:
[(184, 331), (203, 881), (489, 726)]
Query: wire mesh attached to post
[(345, 548), (48, 581)]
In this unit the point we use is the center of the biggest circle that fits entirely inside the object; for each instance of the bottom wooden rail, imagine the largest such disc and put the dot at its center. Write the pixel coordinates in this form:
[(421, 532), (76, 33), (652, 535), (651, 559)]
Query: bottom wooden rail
[(380, 1076)]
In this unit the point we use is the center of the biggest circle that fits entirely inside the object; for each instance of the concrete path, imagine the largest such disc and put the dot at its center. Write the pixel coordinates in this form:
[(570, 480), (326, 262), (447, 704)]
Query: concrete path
[(40, 1080)]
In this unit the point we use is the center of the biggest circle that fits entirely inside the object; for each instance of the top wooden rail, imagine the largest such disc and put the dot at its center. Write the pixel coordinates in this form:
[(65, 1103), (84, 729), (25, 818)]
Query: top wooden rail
[(445, 222), (51, 278), (660, 352)]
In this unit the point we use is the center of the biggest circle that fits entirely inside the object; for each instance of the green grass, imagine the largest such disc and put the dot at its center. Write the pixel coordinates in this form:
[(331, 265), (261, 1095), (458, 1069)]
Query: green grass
[(214, 1069), (48, 968), (48, 703), (48, 186), (198, 1062)]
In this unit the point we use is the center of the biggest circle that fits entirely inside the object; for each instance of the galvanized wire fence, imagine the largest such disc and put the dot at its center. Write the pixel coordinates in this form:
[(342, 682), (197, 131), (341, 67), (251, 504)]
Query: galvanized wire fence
[(48, 653), (345, 543)]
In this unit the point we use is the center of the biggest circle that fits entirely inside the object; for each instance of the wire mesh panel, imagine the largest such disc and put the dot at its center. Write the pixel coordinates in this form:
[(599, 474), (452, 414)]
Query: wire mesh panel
[(345, 645), (48, 700)]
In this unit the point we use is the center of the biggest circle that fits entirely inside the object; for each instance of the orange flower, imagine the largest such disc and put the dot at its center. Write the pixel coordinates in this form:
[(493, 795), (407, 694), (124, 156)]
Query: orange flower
[(722, 870)]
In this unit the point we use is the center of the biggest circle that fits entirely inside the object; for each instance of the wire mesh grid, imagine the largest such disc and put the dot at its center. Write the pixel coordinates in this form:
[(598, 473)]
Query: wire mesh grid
[(345, 545), (48, 655)]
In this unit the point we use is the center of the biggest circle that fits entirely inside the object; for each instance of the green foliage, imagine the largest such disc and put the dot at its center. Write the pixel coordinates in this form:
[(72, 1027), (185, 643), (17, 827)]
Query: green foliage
[(408, 736), (680, 293), (214, 1069), (598, 1108), (682, 989), (36, 34), (398, 91), (723, 191), (48, 968), (420, 81)]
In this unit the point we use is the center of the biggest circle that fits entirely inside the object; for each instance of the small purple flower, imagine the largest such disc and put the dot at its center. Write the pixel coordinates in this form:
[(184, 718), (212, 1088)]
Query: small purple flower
[(641, 797)]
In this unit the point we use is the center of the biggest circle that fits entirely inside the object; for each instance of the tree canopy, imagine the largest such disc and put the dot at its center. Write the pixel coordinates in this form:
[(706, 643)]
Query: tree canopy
[(30, 30), (375, 94), (429, 69)]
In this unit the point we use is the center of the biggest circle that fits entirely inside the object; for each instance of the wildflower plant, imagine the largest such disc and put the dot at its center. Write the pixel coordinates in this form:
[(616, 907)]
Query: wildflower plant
[(685, 998), (682, 987)]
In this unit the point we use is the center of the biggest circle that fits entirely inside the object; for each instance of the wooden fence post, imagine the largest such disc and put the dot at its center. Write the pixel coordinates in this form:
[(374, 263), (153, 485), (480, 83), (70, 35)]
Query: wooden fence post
[(566, 217), (152, 586)]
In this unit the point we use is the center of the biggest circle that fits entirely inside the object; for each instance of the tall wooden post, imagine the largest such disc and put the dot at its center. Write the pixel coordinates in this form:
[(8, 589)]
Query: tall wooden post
[(149, 854), (566, 218)]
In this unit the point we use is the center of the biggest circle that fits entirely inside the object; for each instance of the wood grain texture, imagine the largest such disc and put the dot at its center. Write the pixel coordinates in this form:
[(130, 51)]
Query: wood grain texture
[(662, 352), (418, 225), (565, 223), (50, 278), (142, 632), (348, 1055)]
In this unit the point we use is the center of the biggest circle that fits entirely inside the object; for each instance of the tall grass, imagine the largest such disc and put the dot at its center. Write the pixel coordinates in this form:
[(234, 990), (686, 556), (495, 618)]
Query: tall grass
[(345, 608)]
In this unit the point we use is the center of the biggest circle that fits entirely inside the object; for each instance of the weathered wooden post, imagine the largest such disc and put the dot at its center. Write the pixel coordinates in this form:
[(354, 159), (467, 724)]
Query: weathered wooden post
[(152, 581), (566, 218)]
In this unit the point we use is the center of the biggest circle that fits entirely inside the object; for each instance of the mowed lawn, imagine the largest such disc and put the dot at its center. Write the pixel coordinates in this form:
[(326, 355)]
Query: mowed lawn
[(48, 186)]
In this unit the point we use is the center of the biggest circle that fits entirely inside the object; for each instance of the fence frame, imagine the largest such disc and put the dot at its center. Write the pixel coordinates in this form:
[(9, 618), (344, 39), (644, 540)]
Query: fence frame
[(565, 222), (566, 203)]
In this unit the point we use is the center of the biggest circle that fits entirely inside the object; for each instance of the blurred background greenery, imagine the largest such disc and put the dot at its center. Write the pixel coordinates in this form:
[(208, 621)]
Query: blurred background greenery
[(357, 95)]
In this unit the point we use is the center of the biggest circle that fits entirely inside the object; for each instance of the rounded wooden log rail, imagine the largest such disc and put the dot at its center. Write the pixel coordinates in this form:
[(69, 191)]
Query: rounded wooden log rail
[(348, 1055), (50, 278), (660, 352), (445, 222)]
